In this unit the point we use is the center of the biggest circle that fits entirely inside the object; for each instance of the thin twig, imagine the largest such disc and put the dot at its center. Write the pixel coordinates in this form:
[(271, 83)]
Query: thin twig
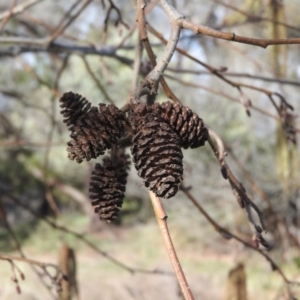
[(231, 36), (30, 261), (220, 93), (161, 218), (48, 193), (220, 74), (61, 28), (38, 45), (97, 81), (144, 37), (256, 18), (56, 279), (225, 233), (19, 8), (199, 29), (18, 246), (264, 197), (238, 190), (239, 75), (8, 17), (82, 237), (159, 69)]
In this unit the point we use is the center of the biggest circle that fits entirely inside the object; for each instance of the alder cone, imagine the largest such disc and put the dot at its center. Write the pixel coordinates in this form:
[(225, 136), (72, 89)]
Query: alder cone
[(156, 152), (189, 127), (74, 106), (96, 131), (108, 185)]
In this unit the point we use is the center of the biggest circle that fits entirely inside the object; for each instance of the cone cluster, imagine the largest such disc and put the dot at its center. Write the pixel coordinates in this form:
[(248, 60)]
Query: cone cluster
[(108, 185), (159, 131)]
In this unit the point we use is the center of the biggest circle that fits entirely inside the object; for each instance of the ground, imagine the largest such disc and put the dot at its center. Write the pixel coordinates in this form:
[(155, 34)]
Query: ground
[(206, 266)]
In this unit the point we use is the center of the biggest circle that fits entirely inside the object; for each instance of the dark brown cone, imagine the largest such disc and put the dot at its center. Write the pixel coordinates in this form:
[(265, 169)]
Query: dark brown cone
[(189, 127), (108, 184), (156, 152), (95, 132), (74, 106)]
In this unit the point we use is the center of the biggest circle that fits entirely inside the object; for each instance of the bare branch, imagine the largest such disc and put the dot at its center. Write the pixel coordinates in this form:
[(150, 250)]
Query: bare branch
[(82, 237), (144, 37), (264, 43), (225, 233), (256, 18), (97, 81), (161, 218), (61, 28), (175, 18), (237, 74), (10, 14), (56, 279), (35, 45), (238, 189), (19, 8)]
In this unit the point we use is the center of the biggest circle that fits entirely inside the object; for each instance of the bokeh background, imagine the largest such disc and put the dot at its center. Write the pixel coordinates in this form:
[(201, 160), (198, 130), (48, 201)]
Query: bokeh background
[(88, 47)]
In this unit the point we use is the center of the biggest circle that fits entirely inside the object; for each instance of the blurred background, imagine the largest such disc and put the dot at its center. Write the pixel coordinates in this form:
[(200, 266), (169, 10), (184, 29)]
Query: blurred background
[(48, 48)]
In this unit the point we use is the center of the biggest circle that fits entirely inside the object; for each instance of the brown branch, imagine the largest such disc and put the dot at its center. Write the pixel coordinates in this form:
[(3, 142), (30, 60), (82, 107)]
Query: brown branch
[(230, 36), (161, 218), (33, 73), (19, 8), (238, 190), (82, 237), (8, 16), (56, 279), (160, 67), (8, 227), (256, 18), (225, 233), (68, 190), (264, 197), (120, 18), (237, 74), (213, 91), (61, 28), (60, 48), (46, 41), (184, 53), (221, 75), (144, 37), (97, 81)]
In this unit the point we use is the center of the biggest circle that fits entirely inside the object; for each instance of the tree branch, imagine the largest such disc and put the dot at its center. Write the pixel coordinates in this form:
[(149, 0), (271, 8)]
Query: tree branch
[(264, 43), (238, 190), (35, 45), (82, 237), (225, 233), (19, 8), (161, 218), (150, 53)]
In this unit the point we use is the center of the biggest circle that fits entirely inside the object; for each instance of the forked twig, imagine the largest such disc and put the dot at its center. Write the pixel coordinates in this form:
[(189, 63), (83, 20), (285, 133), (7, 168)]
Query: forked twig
[(238, 190), (56, 279), (229, 36), (150, 53)]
